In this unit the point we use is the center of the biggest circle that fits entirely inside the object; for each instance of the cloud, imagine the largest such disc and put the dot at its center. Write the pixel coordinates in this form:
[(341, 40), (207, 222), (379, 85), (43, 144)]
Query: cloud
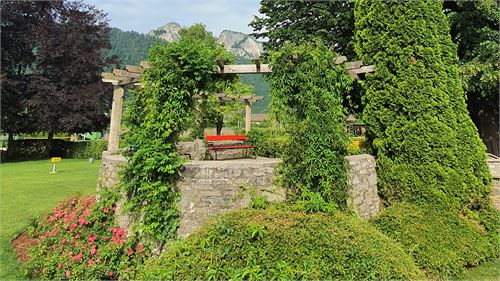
[(145, 15)]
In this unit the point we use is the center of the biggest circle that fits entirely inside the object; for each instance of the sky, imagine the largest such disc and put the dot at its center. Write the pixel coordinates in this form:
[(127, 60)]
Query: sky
[(146, 15)]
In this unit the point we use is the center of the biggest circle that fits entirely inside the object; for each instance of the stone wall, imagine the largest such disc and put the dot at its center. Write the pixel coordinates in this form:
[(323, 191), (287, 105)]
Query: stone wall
[(494, 164), (209, 188), (363, 194)]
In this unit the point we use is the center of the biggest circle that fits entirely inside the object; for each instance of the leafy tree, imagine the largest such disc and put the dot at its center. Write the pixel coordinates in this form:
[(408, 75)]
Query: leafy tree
[(19, 20), (67, 94), (56, 50), (474, 28), (301, 21), (428, 149), (306, 88)]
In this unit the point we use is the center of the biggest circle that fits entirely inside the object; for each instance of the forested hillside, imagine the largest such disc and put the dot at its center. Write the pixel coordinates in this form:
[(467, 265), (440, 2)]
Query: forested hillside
[(129, 46)]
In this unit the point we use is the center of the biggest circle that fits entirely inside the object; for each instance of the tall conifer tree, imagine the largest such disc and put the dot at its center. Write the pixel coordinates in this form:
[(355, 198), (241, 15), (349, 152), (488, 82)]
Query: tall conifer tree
[(428, 149)]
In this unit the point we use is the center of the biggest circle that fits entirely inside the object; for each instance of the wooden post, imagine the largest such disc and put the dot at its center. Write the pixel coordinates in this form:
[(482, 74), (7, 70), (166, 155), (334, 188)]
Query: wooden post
[(248, 114), (116, 118)]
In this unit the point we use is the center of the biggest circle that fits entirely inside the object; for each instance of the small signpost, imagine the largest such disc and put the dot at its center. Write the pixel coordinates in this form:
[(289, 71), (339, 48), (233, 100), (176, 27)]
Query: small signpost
[(54, 160)]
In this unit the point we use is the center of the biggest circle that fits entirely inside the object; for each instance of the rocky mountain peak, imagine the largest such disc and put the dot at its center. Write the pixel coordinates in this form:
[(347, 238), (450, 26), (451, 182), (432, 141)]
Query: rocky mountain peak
[(168, 32), (238, 43)]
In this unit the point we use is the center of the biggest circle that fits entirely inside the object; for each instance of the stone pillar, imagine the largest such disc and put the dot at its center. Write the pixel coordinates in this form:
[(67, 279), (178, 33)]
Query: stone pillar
[(248, 115), (116, 118)]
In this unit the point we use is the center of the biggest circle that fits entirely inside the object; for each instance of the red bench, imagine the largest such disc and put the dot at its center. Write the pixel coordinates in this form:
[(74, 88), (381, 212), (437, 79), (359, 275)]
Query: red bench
[(215, 147)]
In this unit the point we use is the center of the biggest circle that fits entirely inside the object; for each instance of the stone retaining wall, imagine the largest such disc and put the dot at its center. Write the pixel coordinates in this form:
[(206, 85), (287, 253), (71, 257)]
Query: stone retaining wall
[(209, 188), (494, 164)]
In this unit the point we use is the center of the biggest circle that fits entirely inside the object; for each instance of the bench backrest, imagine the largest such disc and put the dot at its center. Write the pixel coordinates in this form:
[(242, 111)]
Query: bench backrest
[(225, 138)]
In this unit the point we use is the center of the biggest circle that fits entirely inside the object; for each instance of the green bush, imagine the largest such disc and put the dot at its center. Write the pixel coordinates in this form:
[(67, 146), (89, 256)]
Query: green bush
[(442, 243), (427, 148), (270, 141), (306, 91), (34, 149), (85, 149), (272, 244)]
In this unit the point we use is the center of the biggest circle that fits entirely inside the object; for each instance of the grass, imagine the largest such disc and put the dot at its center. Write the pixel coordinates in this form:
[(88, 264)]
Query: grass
[(28, 190), (489, 271)]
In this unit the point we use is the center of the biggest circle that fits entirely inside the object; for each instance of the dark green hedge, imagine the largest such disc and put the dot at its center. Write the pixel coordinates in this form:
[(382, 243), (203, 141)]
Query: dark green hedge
[(43, 149), (427, 147), (271, 244), (442, 243), (270, 141)]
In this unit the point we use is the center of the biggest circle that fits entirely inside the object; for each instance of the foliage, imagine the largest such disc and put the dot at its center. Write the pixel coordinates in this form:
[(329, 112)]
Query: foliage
[(85, 149), (427, 147), (32, 149), (61, 88), (271, 244), (303, 21), (306, 96), (130, 47), (78, 240), (474, 28), (442, 243), (159, 114), (270, 140)]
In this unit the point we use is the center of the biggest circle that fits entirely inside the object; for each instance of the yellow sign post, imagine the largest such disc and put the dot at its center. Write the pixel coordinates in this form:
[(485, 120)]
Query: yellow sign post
[(54, 160)]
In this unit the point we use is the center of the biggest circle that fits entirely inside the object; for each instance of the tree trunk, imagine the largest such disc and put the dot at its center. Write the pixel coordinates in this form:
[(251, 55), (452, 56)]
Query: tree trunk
[(10, 145), (50, 144), (219, 124)]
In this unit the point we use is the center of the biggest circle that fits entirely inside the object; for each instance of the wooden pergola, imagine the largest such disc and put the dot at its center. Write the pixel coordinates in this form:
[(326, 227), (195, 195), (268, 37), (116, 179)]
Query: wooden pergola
[(130, 78)]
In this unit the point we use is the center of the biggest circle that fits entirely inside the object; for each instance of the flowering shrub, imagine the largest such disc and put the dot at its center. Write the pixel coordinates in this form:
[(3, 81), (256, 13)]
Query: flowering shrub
[(79, 240)]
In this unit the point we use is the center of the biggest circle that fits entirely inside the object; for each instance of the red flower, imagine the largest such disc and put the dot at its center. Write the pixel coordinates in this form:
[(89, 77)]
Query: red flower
[(89, 262), (77, 236), (130, 252), (110, 274), (77, 257), (59, 265), (139, 248), (105, 210)]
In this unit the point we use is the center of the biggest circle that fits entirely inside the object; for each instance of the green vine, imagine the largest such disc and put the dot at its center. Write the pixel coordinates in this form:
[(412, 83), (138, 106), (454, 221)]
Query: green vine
[(160, 112), (306, 88)]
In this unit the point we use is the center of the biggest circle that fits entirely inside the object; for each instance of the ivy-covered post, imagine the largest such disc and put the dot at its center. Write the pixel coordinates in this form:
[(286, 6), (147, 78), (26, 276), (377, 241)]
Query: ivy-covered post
[(427, 147), (306, 87)]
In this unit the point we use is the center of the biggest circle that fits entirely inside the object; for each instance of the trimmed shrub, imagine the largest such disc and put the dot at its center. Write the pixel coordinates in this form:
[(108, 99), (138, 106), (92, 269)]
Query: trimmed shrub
[(270, 141), (306, 91), (85, 149), (79, 239), (35, 149), (272, 244), (427, 147), (442, 243)]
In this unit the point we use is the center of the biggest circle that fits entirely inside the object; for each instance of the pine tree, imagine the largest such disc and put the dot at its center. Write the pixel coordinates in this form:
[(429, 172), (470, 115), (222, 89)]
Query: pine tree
[(428, 149)]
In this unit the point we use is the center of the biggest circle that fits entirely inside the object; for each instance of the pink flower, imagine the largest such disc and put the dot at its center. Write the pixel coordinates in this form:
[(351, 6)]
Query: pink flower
[(105, 210), (92, 238), (89, 262), (68, 273), (139, 248), (77, 236), (110, 274), (59, 266), (130, 252), (77, 257), (92, 250), (63, 241)]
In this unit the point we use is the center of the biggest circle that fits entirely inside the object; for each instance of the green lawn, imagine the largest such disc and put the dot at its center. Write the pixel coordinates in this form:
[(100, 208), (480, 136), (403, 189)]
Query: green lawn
[(28, 190)]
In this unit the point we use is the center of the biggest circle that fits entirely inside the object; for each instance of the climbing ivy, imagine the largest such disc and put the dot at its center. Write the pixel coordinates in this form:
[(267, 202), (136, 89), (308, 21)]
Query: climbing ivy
[(160, 112), (306, 87)]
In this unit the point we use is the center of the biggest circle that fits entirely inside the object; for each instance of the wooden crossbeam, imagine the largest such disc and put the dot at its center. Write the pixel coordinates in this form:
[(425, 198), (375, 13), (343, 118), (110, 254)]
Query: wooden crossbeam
[(134, 68), (144, 64), (244, 69), (340, 60), (354, 64), (125, 73)]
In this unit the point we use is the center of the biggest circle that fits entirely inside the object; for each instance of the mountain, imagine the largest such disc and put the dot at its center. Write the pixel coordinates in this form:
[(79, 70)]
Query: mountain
[(240, 44), (132, 47)]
